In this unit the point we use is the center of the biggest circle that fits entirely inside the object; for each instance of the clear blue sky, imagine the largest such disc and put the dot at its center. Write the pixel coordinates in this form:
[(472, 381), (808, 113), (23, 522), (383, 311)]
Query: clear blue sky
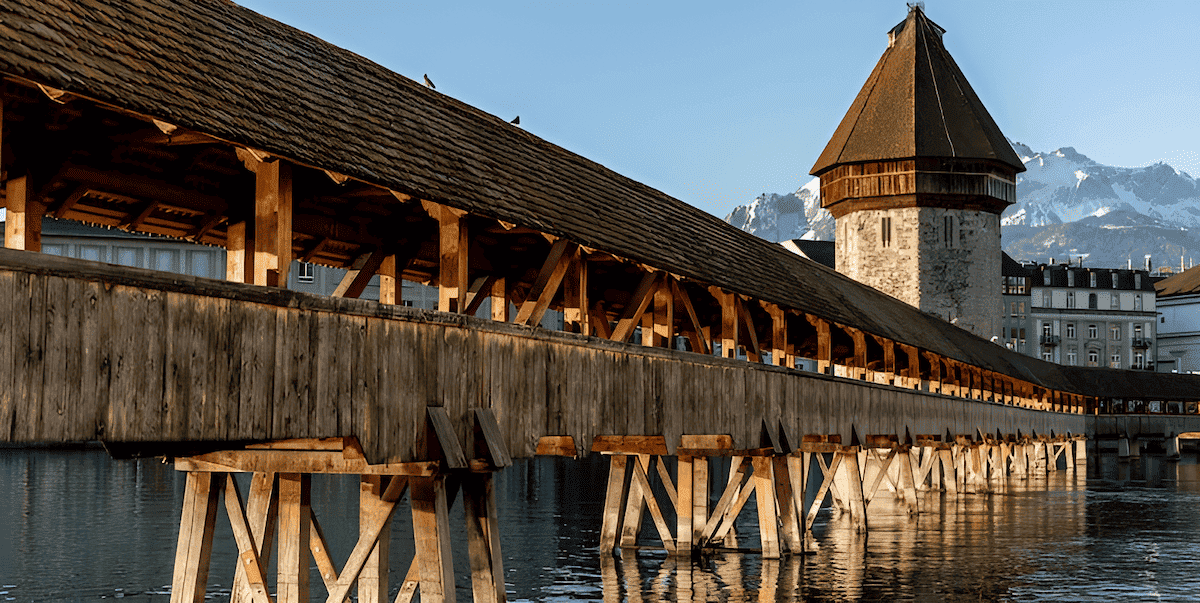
[(714, 103)]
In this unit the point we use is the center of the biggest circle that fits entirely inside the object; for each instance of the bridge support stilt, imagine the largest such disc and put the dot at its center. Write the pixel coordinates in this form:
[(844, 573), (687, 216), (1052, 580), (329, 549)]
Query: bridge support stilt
[(279, 506)]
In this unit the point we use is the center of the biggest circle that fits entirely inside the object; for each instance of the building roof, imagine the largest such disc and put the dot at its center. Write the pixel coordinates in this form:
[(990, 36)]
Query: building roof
[(916, 103), (821, 252), (1184, 283), (227, 72)]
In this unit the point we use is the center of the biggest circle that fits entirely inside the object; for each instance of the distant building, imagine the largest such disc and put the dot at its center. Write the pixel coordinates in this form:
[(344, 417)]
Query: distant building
[(1179, 322), (1080, 316), (916, 176)]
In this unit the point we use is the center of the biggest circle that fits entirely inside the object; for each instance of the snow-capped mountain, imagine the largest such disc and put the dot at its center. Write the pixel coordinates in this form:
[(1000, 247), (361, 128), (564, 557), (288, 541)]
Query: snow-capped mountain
[(777, 217), (1066, 186), (1068, 206)]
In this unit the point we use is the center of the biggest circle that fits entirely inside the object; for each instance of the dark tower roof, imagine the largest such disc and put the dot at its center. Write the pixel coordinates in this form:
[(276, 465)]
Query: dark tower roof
[(917, 103)]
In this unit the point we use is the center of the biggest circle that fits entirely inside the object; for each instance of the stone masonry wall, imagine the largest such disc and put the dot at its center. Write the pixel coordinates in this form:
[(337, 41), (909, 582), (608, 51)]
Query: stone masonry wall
[(956, 277)]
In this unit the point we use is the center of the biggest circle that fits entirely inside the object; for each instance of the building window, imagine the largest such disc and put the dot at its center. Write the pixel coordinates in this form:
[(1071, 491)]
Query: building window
[(1114, 301), (1115, 333), (1093, 332), (1021, 308), (306, 274), (1092, 278), (1114, 280), (1046, 330), (1093, 357), (1047, 356), (1139, 360), (1070, 299), (948, 231), (885, 229), (1013, 308), (1137, 331), (1071, 359), (1137, 302), (1115, 361), (1092, 300), (1070, 330), (1046, 278), (1137, 281)]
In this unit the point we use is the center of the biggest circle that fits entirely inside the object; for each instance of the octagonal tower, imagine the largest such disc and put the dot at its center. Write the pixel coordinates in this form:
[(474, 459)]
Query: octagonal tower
[(916, 177)]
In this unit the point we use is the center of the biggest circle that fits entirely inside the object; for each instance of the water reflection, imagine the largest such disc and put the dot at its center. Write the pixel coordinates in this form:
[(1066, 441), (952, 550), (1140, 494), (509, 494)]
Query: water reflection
[(80, 527)]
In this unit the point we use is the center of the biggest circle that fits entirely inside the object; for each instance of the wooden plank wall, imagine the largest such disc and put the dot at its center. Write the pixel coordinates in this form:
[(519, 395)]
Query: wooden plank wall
[(124, 355)]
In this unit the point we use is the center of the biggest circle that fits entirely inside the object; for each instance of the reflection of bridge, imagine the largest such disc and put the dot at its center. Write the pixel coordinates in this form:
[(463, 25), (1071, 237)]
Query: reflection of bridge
[(320, 156)]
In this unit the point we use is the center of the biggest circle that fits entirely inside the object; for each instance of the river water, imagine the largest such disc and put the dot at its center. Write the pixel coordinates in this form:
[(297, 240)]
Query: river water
[(78, 526)]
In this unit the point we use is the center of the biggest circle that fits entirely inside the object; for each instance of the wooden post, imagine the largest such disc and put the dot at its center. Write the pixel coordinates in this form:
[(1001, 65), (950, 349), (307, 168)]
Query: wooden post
[(634, 504), (779, 338), (768, 519), (684, 542), (664, 317), (194, 547), (614, 503), (389, 281), (452, 254), (373, 578), (498, 300), (293, 562), (824, 343), (273, 223), (729, 322), (483, 538), (575, 295), (431, 530), (23, 226), (239, 253)]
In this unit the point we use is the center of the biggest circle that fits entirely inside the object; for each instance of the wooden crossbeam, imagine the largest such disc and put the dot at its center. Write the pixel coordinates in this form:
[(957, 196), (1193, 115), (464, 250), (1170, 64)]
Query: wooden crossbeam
[(359, 275), (69, 202), (547, 284), (261, 514), (318, 546), (647, 494), (282, 461), (374, 515), (730, 504), (828, 473), (249, 560), (695, 333), (642, 297)]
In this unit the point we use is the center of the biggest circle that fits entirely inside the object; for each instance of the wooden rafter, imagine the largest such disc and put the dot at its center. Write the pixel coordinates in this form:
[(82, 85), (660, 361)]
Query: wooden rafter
[(695, 334), (641, 299), (546, 286), (360, 273), (753, 351)]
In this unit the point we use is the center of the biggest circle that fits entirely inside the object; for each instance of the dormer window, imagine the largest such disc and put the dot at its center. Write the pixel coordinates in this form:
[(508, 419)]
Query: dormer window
[(1092, 279)]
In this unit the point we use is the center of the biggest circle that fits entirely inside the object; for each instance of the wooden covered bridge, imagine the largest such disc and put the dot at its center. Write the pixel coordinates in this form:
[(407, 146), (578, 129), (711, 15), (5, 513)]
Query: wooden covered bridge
[(207, 122)]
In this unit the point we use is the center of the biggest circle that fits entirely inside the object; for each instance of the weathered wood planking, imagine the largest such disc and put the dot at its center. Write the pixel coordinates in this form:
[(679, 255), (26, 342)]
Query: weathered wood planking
[(146, 360)]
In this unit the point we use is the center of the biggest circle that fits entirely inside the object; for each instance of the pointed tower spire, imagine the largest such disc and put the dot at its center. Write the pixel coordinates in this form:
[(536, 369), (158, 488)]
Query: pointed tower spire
[(916, 175)]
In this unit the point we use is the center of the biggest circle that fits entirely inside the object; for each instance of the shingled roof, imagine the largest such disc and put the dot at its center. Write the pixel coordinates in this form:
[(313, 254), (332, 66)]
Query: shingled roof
[(916, 103), (230, 73), (1184, 283)]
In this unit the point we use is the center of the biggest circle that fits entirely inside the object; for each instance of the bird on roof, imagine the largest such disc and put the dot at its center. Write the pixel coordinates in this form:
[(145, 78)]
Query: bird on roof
[(429, 82), (516, 120)]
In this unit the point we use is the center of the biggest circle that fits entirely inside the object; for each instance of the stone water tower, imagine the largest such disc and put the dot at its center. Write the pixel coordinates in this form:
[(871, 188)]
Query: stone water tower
[(916, 176)]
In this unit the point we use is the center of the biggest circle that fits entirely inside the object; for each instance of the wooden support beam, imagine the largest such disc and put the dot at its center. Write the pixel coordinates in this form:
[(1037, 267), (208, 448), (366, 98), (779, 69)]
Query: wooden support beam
[(641, 299), (575, 295), (750, 335), (490, 440), (653, 445), (452, 254), (442, 439), (273, 223), (390, 284), (779, 338), (684, 505), (355, 281), (696, 334), (373, 578), (860, 352), (663, 325), (134, 221), (194, 548), (556, 446), (768, 518), (483, 538), (498, 297), (284, 461), (824, 343), (911, 374), (376, 513), (614, 503), (729, 321), (599, 321), (318, 546), (23, 226), (889, 375), (75, 197), (546, 286), (249, 561), (207, 223), (239, 253), (295, 490), (262, 511)]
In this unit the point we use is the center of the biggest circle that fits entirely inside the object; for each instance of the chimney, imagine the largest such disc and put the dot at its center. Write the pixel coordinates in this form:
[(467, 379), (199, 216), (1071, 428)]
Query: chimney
[(1148, 263)]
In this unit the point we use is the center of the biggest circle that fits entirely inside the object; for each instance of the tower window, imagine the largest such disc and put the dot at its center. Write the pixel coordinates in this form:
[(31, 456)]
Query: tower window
[(885, 230)]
